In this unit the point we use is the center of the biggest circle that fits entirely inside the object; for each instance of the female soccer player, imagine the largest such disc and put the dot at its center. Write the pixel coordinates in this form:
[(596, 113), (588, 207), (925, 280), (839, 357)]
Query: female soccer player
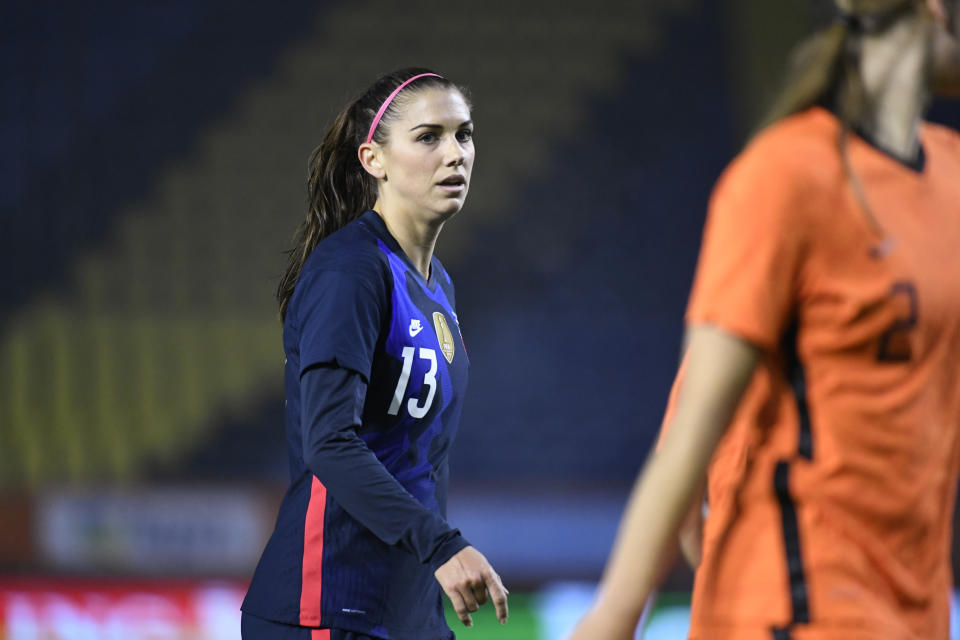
[(376, 372), (820, 378)]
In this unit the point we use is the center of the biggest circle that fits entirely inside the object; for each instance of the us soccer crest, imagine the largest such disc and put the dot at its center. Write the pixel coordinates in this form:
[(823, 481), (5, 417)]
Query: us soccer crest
[(444, 337)]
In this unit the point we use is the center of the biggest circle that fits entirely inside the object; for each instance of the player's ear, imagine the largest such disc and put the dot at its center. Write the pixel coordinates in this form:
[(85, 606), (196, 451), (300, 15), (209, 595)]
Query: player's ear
[(371, 156)]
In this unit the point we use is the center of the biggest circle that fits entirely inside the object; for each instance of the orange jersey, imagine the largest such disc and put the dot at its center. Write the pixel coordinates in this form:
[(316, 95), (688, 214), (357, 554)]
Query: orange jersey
[(830, 517)]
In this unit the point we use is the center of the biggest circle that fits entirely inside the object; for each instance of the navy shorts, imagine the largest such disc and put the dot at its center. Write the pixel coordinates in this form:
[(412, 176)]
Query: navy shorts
[(254, 628)]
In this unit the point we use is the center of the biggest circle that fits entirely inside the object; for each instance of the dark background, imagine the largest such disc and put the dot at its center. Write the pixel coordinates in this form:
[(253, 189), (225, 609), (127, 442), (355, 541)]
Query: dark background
[(153, 170)]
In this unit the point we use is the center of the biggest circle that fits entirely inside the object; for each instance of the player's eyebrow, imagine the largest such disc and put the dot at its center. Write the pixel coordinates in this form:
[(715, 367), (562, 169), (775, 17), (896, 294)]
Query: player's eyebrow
[(465, 123)]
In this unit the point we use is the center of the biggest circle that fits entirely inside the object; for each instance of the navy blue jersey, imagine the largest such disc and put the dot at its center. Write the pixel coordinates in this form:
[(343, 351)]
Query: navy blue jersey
[(376, 372)]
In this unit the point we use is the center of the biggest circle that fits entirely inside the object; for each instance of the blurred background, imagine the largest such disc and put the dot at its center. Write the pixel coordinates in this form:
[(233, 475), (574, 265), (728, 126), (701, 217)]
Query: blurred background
[(153, 172)]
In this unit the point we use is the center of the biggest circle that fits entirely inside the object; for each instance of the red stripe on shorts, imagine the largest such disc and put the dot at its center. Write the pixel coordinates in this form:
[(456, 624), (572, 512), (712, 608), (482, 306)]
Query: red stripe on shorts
[(320, 634), (312, 579)]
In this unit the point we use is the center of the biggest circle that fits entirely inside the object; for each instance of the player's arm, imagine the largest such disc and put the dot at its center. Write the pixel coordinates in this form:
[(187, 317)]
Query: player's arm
[(719, 366), (690, 536), (332, 401), (340, 317)]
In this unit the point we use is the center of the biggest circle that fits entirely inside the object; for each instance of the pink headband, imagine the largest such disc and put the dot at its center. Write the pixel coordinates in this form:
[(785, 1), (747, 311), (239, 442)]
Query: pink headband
[(386, 103)]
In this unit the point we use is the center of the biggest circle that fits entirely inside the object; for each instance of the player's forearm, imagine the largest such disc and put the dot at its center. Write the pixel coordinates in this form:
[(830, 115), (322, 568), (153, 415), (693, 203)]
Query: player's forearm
[(332, 401), (719, 367), (646, 545), (369, 493), (690, 536)]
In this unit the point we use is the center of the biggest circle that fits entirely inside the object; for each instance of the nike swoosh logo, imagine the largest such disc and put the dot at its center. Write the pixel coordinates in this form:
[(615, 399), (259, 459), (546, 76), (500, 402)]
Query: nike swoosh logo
[(415, 328)]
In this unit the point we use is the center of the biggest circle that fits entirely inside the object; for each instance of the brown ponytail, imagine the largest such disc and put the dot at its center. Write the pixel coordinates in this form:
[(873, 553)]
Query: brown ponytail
[(338, 188)]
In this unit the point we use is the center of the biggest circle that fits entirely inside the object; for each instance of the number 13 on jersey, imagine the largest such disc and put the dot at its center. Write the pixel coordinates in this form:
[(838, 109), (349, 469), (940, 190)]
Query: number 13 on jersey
[(430, 379)]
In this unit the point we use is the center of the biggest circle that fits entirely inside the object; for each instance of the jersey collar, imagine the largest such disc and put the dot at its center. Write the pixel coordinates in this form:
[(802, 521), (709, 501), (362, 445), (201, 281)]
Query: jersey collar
[(372, 220)]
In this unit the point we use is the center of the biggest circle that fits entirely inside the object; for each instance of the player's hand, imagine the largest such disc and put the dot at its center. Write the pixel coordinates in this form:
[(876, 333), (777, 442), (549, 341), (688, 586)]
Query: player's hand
[(601, 624), (469, 580)]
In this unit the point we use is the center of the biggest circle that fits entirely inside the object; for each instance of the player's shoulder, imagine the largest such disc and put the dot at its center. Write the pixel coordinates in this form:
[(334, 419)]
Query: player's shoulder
[(347, 259), (800, 148), (784, 171), (351, 249)]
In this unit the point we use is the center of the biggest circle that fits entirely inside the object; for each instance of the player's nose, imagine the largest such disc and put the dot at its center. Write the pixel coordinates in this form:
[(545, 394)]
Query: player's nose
[(453, 154)]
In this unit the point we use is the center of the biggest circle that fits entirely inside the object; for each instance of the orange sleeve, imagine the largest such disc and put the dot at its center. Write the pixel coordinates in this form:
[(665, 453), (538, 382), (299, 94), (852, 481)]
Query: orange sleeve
[(746, 278)]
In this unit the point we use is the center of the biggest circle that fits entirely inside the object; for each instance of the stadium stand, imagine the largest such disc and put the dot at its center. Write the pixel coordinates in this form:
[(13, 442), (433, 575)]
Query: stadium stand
[(162, 320)]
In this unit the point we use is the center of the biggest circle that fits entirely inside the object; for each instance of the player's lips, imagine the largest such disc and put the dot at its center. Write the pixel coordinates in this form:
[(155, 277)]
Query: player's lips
[(453, 184)]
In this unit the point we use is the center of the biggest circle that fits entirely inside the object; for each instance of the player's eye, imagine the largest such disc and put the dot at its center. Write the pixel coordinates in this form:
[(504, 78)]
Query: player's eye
[(465, 135), (427, 137)]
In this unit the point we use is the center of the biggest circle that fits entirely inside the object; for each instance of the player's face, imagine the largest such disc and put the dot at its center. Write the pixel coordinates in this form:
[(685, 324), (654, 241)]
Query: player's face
[(428, 156)]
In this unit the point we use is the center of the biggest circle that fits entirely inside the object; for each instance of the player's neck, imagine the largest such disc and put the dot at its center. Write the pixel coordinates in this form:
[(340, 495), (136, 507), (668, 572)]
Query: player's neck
[(894, 68), (416, 238)]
